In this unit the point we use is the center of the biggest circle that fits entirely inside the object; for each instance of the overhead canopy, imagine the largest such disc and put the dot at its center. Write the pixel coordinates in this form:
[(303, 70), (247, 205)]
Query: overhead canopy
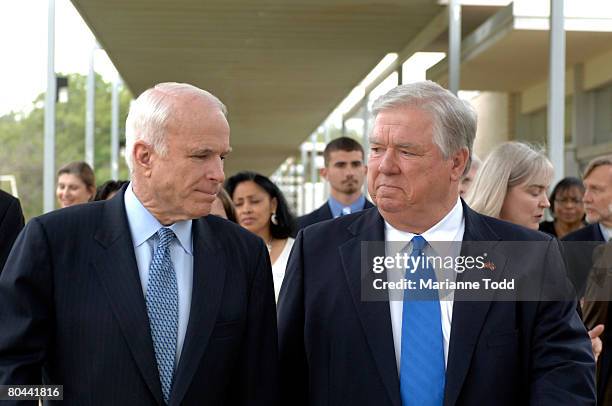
[(510, 52), (280, 66)]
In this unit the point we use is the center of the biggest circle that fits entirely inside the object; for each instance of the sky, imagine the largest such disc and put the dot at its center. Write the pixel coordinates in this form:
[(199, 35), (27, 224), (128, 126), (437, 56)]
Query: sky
[(23, 49)]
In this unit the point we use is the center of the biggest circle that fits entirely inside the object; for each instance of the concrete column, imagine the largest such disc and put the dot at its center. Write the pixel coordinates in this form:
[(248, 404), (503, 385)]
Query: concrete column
[(454, 45), (49, 141), (556, 90)]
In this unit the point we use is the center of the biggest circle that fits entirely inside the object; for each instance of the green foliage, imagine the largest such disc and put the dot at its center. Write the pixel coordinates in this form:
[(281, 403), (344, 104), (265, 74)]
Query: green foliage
[(22, 135)]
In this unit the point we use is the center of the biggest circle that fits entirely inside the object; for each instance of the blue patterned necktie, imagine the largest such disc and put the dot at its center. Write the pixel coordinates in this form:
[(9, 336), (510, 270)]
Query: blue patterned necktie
[(422, 371), (162, 308)]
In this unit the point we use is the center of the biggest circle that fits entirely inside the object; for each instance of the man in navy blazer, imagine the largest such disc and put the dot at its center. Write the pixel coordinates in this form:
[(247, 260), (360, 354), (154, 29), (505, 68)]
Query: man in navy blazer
[(139, 300), (338, 348), (11, 223), (345, 172), (598, 207)]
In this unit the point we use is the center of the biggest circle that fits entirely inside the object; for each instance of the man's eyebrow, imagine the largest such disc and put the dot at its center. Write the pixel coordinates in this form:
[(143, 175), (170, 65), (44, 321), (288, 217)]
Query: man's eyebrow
[(208, 150), (406, 145)]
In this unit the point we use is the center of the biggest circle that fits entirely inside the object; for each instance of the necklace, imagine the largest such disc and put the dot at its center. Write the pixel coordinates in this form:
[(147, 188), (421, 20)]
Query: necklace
[(269, 245)]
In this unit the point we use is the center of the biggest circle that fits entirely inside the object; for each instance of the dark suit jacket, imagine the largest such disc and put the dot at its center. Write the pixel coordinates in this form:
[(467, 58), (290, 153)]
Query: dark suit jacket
[(336, 349), (11, 223), (72, 307), (592, 232), (321, 214)]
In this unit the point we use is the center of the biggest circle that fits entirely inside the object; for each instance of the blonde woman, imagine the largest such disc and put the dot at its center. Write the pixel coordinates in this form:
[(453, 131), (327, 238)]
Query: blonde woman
[(512, 185)]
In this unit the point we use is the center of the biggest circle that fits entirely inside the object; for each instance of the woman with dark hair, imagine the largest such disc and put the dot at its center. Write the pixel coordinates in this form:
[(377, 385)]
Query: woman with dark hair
[(262, 209), (109, 189), (566, 208), (76, 184)]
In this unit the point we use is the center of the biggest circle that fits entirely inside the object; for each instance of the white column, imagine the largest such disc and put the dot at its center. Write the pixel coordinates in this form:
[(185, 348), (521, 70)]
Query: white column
[(313, 168), (328, 124), (454, 45), (115, 104), (556, 90), (90, 109), (303, 175), (49, 142)]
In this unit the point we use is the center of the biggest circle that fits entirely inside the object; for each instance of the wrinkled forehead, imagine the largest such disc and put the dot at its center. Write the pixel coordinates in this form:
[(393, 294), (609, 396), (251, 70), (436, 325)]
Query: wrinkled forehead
[(399, 122)]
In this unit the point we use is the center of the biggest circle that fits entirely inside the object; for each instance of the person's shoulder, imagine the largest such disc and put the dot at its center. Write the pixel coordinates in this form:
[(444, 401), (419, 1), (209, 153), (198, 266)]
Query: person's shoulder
[(73, 214), (340, 225), (229, 231), (5, 196), (587, 233), (322, 213), (507, 231), (7, 200)]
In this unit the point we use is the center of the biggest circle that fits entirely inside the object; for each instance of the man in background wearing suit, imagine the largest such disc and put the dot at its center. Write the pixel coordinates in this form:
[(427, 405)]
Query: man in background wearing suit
[(139, 300), (345, 171), (338, 349), (598, 207), (11, 223)]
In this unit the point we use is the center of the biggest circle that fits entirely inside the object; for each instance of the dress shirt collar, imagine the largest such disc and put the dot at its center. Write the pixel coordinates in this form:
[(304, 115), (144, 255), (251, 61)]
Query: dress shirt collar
[(336, 207), (606, 232), (143, 225)]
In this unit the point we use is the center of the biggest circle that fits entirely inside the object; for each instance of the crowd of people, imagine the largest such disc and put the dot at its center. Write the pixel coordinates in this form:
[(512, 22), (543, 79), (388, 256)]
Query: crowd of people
[(182, 286)]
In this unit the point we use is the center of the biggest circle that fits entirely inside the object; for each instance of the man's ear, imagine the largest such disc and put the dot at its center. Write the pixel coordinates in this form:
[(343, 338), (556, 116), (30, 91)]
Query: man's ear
[(323, 172), (143, 157), (459, 160)]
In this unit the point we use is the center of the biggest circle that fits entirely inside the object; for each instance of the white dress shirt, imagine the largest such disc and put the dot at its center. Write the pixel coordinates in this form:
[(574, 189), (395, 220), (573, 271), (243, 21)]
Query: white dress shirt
[(280, 265), (450, 228), (143, 228), (606, 232)]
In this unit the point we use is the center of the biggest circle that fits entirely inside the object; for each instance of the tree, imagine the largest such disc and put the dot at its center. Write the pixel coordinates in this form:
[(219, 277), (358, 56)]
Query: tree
[(21, 139)]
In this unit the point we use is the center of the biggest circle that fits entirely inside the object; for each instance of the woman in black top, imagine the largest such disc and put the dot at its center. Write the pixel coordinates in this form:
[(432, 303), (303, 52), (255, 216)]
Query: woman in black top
[(566, 207)]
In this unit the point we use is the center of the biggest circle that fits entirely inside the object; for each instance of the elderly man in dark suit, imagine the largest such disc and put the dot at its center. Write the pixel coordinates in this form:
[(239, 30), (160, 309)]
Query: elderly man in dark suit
[(339, 348), (598, 207), (345, 172), (138, 300), (11, 223)]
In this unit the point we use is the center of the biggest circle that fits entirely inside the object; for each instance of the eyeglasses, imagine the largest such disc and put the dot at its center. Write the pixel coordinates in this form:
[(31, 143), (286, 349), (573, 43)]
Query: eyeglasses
[(568, 200)]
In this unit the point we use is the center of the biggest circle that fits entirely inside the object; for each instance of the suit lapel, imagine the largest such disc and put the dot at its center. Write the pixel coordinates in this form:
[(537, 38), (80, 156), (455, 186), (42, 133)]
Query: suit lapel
[(208, 282), (116, 267), (374, 315), (469, 316), (324, 213)]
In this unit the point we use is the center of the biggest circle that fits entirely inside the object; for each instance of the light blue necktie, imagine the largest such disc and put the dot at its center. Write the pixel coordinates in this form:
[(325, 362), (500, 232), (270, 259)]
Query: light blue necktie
[(422, 358), (162, 308), (345, 211)]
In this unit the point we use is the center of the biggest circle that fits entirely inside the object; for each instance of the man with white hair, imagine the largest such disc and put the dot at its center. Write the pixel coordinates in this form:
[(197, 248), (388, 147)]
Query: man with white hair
[(140, 300), (345, 340)]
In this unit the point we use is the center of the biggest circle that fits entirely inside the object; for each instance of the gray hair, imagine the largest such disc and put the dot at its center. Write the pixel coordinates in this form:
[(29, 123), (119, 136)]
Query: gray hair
[(509, 164), (599, 161), (150, 112), (454, 120)]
